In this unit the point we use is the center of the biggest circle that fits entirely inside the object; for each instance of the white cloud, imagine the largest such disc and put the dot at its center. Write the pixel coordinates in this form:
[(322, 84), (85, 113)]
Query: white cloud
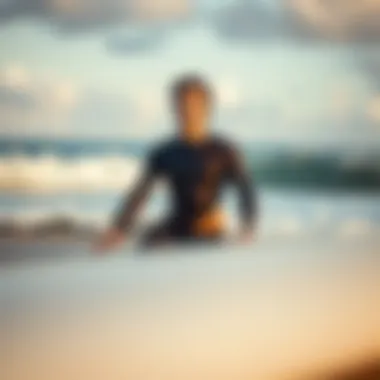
[(15, 76), (229, 94), (86, 14), (346, 20), (235, 20), (66, 94), (50, 107), (162, 9), (332, 20)]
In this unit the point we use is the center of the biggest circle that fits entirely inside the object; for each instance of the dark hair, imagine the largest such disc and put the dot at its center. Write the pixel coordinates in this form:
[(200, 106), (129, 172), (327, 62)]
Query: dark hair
[(191, 82)]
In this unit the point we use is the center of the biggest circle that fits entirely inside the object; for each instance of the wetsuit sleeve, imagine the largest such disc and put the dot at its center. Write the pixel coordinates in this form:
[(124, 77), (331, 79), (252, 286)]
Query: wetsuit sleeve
[(135, 200), (240, 177)]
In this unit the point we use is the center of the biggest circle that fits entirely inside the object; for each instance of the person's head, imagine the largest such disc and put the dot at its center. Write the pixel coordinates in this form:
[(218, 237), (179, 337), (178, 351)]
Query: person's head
[(192, 98)]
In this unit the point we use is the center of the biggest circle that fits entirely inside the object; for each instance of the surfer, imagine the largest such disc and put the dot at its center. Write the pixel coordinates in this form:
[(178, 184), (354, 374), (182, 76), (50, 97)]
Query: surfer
[(196, 165)]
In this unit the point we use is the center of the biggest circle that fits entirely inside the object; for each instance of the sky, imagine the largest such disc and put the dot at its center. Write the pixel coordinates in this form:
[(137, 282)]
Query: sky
[(282, 70)]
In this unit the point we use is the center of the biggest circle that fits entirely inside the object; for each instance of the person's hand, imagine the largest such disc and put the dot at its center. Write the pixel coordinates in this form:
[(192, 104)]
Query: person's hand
[(109, 241)]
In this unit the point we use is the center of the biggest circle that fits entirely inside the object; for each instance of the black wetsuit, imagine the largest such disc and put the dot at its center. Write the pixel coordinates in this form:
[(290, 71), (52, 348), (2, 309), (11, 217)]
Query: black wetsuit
[(196, 174)]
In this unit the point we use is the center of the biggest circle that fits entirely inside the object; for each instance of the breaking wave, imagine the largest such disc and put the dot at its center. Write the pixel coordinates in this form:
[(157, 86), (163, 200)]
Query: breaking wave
[(50, 173), (75, 165), (54, 174)]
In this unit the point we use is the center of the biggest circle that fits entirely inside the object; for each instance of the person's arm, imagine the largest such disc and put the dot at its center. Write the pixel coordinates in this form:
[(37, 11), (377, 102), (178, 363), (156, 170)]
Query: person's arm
[(244, 183), (125, 217), (134, 201)]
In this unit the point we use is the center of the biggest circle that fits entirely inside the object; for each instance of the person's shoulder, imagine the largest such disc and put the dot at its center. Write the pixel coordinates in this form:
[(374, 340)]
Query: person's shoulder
[(225, 144), (161, 148)]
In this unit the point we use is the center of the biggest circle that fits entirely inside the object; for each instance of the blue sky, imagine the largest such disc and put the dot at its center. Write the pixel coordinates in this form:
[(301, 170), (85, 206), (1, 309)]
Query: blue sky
[(281, 69)]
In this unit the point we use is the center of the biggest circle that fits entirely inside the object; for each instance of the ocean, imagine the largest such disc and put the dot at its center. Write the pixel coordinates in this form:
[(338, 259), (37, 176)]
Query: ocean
[(71, 188)]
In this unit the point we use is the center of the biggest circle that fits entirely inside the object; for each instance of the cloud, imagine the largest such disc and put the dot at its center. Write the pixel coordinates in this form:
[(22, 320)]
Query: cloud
[(14, 75), (342, 21), (351, 25), (142, 41), (80, 15), (314, 22), (28, 104), (243, 20), (150, 20), (369, 63), (336, 20), (229, 93), (16, 99), (238, 20), (58, 107)]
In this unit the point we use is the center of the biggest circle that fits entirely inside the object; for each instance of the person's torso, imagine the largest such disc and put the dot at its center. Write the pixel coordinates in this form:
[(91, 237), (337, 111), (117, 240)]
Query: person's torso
[(195, 175)]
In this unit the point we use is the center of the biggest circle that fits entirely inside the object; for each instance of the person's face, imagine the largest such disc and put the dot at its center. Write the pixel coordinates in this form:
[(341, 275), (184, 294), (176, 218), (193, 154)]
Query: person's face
[(193, 112)]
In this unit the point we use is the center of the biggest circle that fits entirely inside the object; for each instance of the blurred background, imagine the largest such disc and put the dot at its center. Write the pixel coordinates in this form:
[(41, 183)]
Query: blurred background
[(84, 94)]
